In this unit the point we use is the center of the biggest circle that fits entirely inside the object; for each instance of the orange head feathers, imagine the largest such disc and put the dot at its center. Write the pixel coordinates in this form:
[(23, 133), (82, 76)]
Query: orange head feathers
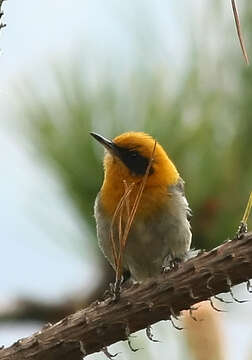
[(126, 160)]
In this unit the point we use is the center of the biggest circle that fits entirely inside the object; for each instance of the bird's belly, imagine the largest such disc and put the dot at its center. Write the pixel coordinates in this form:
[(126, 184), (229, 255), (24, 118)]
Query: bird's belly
[(150, 244), (151, 241)]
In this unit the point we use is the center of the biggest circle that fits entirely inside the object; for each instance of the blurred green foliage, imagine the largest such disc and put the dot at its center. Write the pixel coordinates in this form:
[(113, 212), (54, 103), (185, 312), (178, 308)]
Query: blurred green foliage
[(205, 125)]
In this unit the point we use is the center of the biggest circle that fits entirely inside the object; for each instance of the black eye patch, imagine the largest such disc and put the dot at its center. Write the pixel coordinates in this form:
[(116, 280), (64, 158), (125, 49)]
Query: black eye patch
[(135, 162)]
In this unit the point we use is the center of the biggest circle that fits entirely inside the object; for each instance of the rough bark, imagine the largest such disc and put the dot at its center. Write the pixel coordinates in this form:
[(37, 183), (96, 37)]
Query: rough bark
[(106, 322)]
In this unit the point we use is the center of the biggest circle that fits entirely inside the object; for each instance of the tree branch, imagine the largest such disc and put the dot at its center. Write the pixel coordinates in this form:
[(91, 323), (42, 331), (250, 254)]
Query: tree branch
[(103, 323)]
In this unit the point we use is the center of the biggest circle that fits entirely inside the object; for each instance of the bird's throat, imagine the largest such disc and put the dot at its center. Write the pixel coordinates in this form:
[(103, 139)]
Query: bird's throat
[(152, 199)]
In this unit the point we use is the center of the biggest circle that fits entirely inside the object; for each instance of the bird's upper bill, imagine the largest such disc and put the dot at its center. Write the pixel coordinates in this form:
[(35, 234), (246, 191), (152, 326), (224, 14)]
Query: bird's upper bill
[(108, 144)]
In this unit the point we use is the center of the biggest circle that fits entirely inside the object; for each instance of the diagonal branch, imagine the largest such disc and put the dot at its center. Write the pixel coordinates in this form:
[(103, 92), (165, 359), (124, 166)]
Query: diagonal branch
[(103, 323)]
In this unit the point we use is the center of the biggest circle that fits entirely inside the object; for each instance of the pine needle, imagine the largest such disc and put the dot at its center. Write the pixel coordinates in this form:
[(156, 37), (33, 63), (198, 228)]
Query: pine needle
[(247, 210), (124, 202), (239, 32), (117, 211)]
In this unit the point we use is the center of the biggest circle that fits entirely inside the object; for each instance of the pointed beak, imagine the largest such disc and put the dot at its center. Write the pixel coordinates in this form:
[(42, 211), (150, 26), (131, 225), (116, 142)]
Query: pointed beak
[(108, 144)]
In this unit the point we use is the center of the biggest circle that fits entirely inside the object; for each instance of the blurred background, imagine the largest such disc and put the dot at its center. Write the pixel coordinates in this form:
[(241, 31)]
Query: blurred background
[(172, 69)]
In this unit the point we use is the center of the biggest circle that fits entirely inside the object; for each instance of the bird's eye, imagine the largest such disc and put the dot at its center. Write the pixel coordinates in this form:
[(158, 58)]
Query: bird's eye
[(135, 162)]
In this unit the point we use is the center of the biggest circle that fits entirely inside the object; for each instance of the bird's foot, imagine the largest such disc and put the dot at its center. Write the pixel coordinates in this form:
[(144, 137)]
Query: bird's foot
[(171, 264), (115, 290), (242, 229)]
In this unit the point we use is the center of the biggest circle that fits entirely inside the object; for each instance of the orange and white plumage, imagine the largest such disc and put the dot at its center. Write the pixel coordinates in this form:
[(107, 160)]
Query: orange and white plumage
[(160, 232)]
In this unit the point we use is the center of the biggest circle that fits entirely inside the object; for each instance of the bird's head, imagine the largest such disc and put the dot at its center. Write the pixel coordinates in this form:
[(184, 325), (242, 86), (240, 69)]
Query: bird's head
[(127, 157)]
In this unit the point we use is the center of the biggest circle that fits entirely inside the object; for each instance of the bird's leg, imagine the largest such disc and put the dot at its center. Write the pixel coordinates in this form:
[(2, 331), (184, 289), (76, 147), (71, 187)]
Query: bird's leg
[(115, 289), (175, 263), (127, 280), (242, 229)]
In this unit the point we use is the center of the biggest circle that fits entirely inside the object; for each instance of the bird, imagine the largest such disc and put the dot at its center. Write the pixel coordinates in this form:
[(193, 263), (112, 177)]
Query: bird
[(160, 235)]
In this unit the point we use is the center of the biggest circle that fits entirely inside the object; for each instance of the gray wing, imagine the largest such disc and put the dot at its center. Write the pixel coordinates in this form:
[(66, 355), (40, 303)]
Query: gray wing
[(180, 187)]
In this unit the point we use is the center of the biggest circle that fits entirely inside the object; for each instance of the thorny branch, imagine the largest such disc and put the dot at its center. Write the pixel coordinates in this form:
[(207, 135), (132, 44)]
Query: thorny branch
[(103, 323)]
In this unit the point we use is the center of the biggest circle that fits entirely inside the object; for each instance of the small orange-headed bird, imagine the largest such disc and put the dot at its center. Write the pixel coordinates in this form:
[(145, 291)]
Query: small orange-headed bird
[(160, 233)]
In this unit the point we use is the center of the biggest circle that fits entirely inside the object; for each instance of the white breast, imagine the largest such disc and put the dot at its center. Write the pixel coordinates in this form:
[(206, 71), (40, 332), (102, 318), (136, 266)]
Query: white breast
[(153, 241)]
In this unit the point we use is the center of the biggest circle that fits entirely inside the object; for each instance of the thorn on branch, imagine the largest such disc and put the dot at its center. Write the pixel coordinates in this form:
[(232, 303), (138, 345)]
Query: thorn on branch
[(83, 350), (107, 353), (150, 335), (222, 300), (229, 283), (174, 325), (249, 286), (131, 347), (235, 298), (214, 307), (127, 333), (191, 313), (209, 287), (191, 294), (175, 315)]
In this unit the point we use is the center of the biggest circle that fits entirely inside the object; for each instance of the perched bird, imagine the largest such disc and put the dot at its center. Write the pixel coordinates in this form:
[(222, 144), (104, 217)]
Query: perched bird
[(160, 233)]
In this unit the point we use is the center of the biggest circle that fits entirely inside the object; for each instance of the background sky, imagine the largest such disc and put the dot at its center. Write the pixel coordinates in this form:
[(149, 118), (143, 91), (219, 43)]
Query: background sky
[(39, 35)]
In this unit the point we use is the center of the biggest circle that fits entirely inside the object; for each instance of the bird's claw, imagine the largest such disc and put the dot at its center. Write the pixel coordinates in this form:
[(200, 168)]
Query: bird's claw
[(115, 290)]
